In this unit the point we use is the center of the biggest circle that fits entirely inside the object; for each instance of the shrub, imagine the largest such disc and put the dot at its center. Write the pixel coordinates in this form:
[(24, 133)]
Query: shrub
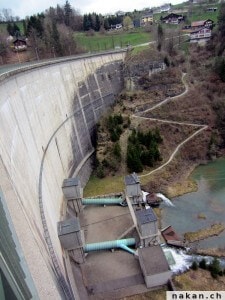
[(117, 151), (194, 265), (202, 264), (219, 67), (145, 150), (215, 268), (100, 171), (90, 32), (166, 61)]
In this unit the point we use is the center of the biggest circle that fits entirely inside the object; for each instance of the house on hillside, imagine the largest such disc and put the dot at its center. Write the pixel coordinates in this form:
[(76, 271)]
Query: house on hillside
[(199, 35), (196, 1), (146, 19), (202, 24), (20, 44), (165, 8), (212, 9), (173, 19), (161, 9), (116, 27)]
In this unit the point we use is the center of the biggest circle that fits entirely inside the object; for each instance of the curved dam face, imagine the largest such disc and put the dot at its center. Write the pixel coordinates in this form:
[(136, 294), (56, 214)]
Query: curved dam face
[(48, 116)]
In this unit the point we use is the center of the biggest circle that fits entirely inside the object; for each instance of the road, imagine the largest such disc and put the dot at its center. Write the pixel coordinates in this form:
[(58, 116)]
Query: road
[(201, 127)]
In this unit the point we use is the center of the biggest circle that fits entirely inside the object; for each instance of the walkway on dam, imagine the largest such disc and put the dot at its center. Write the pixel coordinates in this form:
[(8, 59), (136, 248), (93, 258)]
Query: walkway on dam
[(7, 70)]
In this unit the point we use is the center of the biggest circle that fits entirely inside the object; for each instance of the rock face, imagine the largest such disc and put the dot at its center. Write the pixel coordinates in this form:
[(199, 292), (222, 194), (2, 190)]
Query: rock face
[(134, 71), (47, 133)]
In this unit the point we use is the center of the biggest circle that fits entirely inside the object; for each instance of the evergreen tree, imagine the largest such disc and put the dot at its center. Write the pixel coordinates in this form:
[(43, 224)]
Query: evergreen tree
[(10, 29), (160, 36), (36, 22), (68, 11), (16, 30), (215, 268), (202, 264), (25, 27), (194, 265), (133, 159), (13, 29), (97, 23), (90, 22), (117, 151)]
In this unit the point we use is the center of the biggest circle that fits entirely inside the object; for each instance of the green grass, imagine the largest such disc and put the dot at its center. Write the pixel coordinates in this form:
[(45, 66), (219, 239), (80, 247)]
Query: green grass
[(110, 40), (3, 26), (199, 15), (139, 49), (107, 185)]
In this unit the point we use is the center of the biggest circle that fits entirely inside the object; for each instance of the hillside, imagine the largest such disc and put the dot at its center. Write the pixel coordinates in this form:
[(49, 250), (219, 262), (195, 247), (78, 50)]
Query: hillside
[(177, 118)]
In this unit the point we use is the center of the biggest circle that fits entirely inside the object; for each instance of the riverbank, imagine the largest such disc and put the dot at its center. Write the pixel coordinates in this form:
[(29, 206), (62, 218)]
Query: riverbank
[(202, 234), (199, 280), (216, 252)]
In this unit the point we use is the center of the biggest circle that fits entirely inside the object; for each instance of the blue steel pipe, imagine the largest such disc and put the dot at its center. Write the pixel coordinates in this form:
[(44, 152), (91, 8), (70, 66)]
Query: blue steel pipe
[(124, 247), (102, 201), (110, 245)]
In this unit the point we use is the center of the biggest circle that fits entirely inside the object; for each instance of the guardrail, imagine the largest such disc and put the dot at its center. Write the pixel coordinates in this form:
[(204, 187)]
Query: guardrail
[(15, 69)]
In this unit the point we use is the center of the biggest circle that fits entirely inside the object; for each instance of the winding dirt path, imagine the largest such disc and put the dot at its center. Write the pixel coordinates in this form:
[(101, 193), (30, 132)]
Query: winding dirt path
[(201, 127)]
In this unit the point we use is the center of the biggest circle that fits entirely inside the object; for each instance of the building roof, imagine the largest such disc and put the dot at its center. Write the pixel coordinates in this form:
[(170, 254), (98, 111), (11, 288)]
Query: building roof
[(145, 216), (172, 15), (132, 179), (147, 15), (70, 182), (169, 234), (68, 226), (200, 23), (19, 40), (153, 260)]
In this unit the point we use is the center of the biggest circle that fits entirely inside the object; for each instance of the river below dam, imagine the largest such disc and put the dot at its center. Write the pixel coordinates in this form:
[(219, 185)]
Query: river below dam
[(208, 202)]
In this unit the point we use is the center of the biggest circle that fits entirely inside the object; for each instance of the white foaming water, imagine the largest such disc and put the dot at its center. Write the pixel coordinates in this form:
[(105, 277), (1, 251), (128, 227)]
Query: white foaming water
[(182, 261), (165, 200), (144, 195)]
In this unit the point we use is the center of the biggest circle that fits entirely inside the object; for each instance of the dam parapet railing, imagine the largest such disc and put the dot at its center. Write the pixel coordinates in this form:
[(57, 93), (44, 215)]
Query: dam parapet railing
[(13, 69)]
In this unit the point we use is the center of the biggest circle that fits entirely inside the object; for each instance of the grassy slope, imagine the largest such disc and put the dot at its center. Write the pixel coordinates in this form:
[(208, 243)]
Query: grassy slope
[(3, 26), (110, 40)]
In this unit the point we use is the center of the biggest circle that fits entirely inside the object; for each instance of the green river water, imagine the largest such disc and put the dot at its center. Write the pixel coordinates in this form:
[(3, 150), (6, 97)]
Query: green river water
[(208, 200)]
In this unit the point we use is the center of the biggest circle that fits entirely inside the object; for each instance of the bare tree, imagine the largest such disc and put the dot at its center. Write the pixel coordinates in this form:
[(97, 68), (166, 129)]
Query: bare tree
[(7, 14), (4, 49)]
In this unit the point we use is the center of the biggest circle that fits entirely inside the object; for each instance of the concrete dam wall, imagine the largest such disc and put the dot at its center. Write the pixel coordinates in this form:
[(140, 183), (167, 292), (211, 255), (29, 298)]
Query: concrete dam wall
[(48, 116)]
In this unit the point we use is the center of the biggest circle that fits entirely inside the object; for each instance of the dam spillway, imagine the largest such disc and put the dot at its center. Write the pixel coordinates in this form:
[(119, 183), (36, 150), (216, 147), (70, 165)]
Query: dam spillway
[(49, 112)]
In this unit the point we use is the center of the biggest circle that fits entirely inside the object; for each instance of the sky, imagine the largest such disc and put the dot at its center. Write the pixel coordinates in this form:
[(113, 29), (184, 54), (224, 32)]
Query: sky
[(23, 8)]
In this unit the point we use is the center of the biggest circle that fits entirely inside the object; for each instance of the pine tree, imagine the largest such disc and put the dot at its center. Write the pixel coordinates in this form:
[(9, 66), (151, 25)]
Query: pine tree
[(68, 11), (133, 159), (97, 23)]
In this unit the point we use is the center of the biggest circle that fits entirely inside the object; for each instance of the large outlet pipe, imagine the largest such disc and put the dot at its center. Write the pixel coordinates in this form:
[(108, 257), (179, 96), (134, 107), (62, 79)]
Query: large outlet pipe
[(102, 201), (111, 245)]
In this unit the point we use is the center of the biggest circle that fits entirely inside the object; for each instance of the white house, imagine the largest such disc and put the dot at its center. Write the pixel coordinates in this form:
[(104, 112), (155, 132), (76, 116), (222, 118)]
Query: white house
[(204, 33)]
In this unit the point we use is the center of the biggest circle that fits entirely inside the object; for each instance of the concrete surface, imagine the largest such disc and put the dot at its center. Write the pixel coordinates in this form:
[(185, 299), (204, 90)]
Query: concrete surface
[(108, 274), (49, 110)]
